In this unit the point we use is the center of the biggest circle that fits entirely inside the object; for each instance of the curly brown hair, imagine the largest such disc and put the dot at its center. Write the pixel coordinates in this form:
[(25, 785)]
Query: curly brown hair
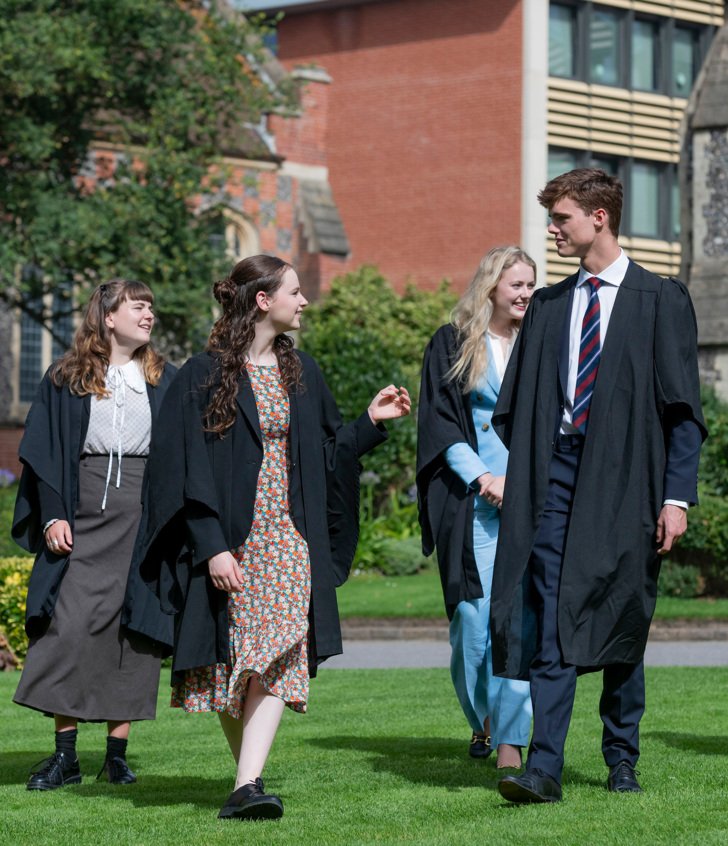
[(590, 188), (233, 334), (83, 367)]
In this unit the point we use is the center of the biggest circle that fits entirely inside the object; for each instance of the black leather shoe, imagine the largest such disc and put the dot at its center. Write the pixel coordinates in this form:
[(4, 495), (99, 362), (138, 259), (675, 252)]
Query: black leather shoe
[(56, 771), (251, 802), (480, 746), (532, 786), (116, 771), (623, 778)]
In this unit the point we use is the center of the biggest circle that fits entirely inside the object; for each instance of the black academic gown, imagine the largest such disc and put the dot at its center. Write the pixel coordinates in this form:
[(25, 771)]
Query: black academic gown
[(444, 418), (648, 377), (50, 452), (201, 497)]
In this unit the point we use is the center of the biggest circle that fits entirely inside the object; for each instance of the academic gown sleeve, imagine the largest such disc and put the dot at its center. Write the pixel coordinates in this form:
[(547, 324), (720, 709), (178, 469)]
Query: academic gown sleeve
[(41, 490), (678, 390), (180, 480), (343, 445), (444, 500), (49, 452)]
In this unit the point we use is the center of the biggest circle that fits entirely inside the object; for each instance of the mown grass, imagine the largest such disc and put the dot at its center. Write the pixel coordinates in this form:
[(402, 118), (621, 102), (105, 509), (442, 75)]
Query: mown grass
[(372, 595), (380, 758)]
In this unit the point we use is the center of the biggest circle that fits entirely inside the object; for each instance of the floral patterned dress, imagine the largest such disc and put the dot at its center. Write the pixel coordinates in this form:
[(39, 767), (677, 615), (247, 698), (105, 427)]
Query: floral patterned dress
[(269, 616)]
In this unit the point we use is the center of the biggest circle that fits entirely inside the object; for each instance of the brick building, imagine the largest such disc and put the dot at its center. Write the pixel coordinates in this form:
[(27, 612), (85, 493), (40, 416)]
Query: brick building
[(445, 117)]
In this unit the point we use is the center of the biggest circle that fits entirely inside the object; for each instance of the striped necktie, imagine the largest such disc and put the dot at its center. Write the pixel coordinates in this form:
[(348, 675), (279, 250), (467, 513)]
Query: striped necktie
[(589, 352)]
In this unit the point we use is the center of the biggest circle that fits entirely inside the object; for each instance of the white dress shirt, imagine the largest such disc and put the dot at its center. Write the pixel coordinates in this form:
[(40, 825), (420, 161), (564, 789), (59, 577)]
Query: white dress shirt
[(611, 278)]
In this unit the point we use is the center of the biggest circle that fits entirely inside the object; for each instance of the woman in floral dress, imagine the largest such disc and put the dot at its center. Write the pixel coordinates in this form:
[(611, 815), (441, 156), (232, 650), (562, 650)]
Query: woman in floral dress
[(256, 472)]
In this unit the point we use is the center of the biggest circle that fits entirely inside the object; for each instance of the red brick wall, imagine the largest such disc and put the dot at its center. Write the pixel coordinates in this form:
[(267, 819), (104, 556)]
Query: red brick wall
[(424, 128)]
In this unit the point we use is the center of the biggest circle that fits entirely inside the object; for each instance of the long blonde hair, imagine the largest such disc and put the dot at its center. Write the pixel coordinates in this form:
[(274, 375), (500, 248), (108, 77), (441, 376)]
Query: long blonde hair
[(83, 367), (472, 314)]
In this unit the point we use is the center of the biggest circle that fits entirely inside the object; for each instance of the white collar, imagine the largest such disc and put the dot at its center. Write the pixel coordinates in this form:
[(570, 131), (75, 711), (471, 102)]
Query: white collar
[(612, 275), (130, 374)]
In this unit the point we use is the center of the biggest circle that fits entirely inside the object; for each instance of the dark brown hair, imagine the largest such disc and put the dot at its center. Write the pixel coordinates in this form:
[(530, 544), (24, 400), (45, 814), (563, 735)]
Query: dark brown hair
[(590, 188), (233, 334), (83, 367)]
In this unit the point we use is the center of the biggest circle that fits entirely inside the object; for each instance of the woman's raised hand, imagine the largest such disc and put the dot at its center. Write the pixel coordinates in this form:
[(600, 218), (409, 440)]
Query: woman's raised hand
[(224, 572), (389, 403)]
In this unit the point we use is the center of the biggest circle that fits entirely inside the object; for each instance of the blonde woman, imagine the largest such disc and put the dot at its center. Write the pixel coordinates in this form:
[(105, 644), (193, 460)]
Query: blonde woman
[(461, 465), (94, 628)]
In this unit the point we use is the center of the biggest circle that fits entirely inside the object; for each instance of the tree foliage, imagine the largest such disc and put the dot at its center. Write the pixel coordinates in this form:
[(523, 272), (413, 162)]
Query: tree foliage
[(169, 84), (365, 336)]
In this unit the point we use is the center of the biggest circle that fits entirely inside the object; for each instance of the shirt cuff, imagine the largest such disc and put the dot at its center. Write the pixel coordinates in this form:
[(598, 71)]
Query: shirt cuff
[(679, 502)]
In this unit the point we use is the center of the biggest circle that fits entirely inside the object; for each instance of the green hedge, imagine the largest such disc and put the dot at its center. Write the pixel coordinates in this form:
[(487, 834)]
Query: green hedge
[(364, 336), (14, 575)]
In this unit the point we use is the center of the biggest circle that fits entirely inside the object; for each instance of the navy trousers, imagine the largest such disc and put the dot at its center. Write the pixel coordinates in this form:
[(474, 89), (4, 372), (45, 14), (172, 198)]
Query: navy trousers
[(553, 682)]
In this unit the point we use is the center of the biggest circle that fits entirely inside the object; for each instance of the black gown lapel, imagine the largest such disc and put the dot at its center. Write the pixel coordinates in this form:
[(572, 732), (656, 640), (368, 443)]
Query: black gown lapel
[(246, 402)]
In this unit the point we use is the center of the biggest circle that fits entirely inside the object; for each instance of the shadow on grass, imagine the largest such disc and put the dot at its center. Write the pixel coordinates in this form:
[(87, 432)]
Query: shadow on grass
[(150, 791), (434, 761), (701, 743)]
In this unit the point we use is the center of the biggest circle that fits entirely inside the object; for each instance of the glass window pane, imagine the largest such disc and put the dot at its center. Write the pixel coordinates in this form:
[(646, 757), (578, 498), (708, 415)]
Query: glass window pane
[(561, 41), (684, 51), (560, 161), (604, 48), (644, 200), (609, 165), (31, 352), (62, 319), (644, 56), (675, 208)]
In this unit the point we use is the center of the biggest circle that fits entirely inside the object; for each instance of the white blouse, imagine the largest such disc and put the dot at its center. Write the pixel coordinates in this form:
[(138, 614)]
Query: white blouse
[(122, 421)]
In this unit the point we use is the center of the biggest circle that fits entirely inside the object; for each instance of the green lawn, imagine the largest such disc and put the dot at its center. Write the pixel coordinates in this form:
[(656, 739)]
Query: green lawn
[(381, 758), (369, 595)]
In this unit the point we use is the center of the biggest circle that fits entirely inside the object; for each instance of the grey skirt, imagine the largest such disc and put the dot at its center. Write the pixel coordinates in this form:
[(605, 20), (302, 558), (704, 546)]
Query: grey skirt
[(86, 665)]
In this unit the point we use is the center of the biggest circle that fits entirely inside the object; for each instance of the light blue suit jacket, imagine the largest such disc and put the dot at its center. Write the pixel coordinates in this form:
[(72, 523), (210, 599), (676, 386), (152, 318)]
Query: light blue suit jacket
[(492, 456)]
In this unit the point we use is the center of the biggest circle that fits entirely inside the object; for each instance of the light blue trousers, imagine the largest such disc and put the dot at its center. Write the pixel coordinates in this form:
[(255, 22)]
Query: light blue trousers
[(481, 694)]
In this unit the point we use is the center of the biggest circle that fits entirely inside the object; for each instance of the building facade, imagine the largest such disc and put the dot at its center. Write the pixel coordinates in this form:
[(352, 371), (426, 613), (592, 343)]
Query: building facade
[(446, 118)]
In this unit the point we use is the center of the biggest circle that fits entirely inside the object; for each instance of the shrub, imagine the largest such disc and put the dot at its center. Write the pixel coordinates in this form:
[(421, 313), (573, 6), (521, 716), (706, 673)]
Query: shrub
[(705, 544), (714, 455), (8, 547), (365, 336), (14, 575), (679, 580)]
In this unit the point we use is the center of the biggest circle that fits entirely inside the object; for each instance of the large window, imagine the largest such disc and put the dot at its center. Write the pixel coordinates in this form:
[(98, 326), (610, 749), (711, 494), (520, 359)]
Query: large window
[(562, 41), (644, 200), (651, 193), (644, 55), (604, 43), (685, 59), (31, 352), (613, 46)]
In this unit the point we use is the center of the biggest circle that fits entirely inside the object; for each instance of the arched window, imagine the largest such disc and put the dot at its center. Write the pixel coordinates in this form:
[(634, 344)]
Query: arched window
[(241, 237)]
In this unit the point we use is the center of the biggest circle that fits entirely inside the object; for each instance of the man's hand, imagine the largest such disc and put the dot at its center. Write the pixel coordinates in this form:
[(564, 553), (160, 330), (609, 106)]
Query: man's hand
[(491, 487), (671, 525)]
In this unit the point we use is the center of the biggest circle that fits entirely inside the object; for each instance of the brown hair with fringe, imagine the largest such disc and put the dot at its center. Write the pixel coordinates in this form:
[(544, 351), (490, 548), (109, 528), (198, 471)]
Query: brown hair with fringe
[(233, 334), (472, 314), (83, 367), (590, 188)]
